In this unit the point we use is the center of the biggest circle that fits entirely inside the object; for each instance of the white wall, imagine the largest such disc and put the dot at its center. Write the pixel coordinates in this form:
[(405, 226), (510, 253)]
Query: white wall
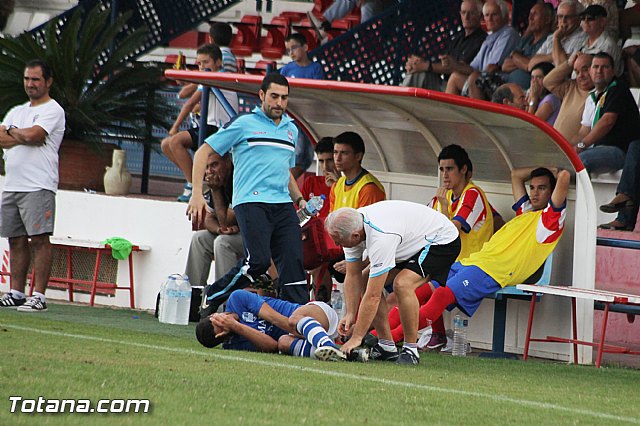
[(162, 225)]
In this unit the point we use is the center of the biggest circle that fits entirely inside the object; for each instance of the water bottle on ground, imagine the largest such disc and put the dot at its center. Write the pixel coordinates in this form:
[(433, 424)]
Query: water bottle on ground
[(337, 300), (459, 336), (312, 208), (175, 300)]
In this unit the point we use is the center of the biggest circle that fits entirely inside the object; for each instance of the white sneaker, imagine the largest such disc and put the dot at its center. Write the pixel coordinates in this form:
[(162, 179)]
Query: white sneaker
[(33, 304)]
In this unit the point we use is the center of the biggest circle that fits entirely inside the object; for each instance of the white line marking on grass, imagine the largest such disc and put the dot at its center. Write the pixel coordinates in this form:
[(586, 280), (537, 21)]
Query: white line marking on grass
[(498, 398)]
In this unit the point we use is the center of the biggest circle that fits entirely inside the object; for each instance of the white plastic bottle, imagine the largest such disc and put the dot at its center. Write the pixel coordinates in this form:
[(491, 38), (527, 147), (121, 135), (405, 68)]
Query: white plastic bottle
[(175, 300), (459, 336), (337, 300), (313, 206)]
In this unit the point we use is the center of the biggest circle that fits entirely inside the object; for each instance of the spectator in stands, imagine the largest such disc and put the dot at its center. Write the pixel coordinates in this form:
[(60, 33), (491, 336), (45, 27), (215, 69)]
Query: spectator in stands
[(222, 244), (631, 55), (625, 203), (594, 24), (567, 38), (321, 185), (221, 36), (176, 146), (629, 17), (30, 136), (540, 102), (300, 66), (516, 65), (497, 46), (264, 324), (341, 8), (510, 94), (612, 25), (514, 253), (263, 145), (461, 49), (419, 241), (356, 187), (573, 93), (610, 120)]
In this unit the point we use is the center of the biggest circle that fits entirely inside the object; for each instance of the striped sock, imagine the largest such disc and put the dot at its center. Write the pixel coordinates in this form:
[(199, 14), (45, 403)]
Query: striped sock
[(413, 347), (314, 333), (300, 347), (387, 345)]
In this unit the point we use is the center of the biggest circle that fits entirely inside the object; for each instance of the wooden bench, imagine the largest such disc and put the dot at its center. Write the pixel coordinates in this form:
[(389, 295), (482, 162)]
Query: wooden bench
[(65, 278), (609, 301)]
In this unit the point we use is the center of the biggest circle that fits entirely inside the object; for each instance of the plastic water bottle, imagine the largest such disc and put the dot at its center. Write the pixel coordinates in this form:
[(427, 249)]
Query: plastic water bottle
[(459, 336), (337, 300), (313, 207), (175, 300)]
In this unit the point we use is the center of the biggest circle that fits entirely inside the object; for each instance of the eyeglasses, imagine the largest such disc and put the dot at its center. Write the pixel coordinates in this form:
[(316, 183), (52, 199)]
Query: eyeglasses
[(292, 48), (588, 18)]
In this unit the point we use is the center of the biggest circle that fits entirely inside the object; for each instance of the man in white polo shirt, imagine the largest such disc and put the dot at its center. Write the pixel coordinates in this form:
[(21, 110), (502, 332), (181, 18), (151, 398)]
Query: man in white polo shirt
[(414, 238)]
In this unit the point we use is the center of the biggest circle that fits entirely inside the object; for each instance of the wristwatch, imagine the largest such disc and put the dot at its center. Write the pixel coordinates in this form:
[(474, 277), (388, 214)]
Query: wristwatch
[(581, 145)]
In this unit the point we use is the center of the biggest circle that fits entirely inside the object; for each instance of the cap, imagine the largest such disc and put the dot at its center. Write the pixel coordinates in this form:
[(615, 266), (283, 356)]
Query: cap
[(206, 335), (594, 11)]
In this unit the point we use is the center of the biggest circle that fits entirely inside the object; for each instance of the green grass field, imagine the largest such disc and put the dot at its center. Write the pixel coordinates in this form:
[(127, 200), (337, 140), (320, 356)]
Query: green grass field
[(96, 353)]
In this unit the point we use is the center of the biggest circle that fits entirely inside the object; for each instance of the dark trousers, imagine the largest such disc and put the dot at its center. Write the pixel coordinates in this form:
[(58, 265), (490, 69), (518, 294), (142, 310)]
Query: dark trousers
[(269, 231)]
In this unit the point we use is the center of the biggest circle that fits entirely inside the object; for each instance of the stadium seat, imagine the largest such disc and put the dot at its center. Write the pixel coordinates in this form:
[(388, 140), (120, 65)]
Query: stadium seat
[(320, 6), (190, 40), (241, 64), (294, 17), (262, 67), (308, 33), (272, 45), (246, 40)]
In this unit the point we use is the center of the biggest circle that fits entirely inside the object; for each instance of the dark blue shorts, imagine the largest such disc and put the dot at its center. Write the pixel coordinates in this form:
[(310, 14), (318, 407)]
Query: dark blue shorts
[(470, 285)]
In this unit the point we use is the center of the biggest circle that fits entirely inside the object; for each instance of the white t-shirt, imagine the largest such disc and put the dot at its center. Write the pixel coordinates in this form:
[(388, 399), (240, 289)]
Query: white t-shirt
[(396, 230), (32, 168), (589, 112)]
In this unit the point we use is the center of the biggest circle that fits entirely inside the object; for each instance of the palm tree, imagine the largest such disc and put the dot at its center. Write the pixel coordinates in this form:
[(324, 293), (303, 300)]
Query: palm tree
[(103, 92)]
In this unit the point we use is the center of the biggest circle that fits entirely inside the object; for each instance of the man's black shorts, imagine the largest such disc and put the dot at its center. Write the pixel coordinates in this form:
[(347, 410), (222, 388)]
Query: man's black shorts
[(194, 132), (436, 263)]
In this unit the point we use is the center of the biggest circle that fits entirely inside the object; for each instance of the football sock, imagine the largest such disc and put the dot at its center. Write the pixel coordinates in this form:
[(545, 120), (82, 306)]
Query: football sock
[(387, 345), (300, 347), (17, 294), (40, 296), (314, 333), (412, 347)]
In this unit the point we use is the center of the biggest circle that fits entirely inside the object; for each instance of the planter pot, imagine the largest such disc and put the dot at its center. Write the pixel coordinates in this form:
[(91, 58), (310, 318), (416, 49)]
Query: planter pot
[(117, 179), (81, 167)]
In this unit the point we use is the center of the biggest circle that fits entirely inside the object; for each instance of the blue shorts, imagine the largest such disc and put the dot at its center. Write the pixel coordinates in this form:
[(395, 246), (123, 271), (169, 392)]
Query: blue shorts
[(470, 285)]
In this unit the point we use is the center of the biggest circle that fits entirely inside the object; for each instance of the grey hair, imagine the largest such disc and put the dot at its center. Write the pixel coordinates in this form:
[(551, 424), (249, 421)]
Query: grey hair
[(576, 5), (501, 4), (344, 222), (477, 3)]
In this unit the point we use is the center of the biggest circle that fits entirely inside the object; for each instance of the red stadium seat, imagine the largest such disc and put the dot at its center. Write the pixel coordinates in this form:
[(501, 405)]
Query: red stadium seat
[(246, 40), (272, 45)]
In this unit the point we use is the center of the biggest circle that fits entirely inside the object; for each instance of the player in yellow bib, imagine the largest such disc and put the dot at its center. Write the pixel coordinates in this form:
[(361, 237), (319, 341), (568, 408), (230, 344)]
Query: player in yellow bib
[(514, 253)]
